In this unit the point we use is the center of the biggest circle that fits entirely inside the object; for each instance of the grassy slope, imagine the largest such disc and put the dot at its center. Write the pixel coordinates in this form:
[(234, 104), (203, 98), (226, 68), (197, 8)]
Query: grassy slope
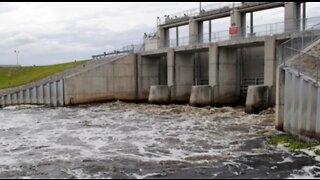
[(16, 76)]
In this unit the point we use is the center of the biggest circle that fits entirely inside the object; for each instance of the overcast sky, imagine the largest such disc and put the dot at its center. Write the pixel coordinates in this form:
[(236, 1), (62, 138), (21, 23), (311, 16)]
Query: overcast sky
[(47, 33)]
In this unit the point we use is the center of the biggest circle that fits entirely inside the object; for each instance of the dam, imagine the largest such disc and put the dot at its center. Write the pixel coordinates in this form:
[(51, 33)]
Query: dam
[(226, 63), (237, 66), (169, 108)]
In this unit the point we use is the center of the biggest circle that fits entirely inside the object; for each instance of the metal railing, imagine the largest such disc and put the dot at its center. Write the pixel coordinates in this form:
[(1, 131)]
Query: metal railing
[(245, 32), (194, 12), (306, 63), (247, 81), (295, 46), (294, 54), (134, 48), (259, 30)]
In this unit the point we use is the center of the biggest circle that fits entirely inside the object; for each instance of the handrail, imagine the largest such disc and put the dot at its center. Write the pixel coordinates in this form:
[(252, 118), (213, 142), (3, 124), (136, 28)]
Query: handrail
[(296, 45), (305, 63)]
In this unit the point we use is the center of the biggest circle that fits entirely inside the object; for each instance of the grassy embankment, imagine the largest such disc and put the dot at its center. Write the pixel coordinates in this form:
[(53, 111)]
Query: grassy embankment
[(293, 143), (16, 76)]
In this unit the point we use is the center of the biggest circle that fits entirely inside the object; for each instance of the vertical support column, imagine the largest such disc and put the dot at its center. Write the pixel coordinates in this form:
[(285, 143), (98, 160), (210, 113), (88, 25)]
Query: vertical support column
[(164, 37), (195, 31), (304, 15), (60, 93), (238, 19), (2, 103), (200, 32), (292, 16), (53, 94), (287, 102), (40, 94), (251, 23), (295, 103), (177, 36), (26, 96), (213, 69), (46, 93), (270, 67), (14, 99), (210, 30), (8, 100), (20, 97), (302, 106), (33, 95), (280, 98), (171, 71), (312, 97)]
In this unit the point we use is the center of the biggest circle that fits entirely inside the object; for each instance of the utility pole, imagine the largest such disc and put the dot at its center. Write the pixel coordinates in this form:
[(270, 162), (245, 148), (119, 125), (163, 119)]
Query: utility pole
[(17, 53)]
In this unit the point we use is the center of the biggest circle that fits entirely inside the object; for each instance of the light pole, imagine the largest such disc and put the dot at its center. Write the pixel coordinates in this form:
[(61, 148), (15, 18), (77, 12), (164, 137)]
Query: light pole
[(17, 53)]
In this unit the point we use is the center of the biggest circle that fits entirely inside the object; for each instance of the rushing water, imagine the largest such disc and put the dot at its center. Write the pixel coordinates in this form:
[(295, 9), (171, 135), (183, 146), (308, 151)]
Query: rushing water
[(123, 140)]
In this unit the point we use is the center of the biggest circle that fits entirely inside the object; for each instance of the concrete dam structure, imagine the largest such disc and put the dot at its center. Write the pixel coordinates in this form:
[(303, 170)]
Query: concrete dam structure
[(202, 69)]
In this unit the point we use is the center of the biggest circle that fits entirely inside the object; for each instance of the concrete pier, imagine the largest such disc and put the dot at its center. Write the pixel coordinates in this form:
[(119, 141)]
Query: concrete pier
[(201, 95), (159, 94), (257, 99)]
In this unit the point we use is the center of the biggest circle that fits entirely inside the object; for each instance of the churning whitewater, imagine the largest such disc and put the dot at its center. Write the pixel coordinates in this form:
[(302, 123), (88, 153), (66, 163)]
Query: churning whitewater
[(126, 140)]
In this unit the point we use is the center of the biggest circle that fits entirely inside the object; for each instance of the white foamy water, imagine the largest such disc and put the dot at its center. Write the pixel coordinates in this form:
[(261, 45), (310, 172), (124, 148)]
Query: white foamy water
[(121, 140)]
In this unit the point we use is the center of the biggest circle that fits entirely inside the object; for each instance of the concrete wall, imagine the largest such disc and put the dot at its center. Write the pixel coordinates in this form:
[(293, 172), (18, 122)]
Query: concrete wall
[(59, 75), (251, 68), (224, 75), (111, 80), (152, 70), (50, 93), (252, 62), (301, 105), (182, 77), (270, 66), (125, 78), (201, 69)]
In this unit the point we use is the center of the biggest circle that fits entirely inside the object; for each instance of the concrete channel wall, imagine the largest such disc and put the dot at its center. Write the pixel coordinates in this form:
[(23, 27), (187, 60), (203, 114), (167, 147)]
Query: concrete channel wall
[(50, 93), (49, 90), (116, 79), (301, 104)]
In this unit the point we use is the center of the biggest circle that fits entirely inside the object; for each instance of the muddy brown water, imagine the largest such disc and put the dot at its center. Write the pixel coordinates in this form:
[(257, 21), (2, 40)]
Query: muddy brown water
[(127, 140)]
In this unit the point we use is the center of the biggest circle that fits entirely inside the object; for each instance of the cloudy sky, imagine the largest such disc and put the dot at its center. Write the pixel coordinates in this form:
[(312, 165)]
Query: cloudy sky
[(48, 33)]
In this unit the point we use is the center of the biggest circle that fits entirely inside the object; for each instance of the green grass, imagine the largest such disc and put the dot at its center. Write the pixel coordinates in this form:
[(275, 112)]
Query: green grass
[(291, 142), (317, 152), (16, 76)]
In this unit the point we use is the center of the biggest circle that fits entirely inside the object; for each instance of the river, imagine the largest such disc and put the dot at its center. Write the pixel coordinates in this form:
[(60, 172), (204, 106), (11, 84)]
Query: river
[(127, 140)]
